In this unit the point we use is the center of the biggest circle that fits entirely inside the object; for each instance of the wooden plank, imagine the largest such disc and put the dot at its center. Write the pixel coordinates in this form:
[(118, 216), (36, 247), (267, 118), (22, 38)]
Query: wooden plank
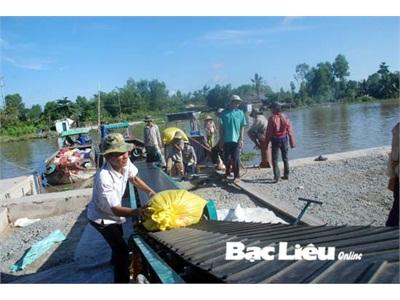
[(287, 211)]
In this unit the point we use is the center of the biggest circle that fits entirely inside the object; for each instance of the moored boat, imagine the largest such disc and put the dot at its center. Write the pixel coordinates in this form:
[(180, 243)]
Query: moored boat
[(73, 163)]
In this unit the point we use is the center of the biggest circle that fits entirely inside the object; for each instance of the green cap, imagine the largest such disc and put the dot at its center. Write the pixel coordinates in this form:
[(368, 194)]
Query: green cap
[(115, 143)]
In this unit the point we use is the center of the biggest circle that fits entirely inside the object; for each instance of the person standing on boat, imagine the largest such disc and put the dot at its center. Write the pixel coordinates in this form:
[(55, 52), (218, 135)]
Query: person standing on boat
[(257, 134), (152, 142), (105, 212), (189, 159), (393, 172), (210, 130), (280, 134), (231, 130), (175, 166)]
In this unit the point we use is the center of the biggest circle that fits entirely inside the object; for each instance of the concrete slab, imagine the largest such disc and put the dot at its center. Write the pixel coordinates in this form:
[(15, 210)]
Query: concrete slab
[(3, 218), (17, 187), (45, 205)]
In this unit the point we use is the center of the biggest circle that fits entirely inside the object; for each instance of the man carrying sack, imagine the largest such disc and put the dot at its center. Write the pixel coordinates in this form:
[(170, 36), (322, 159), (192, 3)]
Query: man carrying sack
[(105, 212)]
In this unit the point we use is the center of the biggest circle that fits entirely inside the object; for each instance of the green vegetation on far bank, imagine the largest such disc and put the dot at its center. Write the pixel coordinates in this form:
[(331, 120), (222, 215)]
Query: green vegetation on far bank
[(324, 83)]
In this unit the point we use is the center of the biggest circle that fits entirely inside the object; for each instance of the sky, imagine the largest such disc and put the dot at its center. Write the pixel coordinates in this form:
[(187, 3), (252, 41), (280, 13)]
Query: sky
[(48, 58)]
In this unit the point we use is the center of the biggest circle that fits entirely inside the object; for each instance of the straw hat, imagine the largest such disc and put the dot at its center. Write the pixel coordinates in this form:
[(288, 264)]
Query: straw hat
[(148, 118), (115, 143), (178, 135), (236, 98)]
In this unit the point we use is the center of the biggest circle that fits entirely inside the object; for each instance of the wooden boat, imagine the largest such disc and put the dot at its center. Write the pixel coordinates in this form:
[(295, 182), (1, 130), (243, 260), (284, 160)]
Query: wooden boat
[(138, 151), (73, 163)]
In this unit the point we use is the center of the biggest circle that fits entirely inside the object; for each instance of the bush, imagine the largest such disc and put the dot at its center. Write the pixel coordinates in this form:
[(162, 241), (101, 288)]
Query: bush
[(365, 98), (16, 131)]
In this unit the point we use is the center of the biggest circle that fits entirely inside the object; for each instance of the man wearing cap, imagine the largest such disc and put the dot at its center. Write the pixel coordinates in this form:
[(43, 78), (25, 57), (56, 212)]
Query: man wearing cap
[(257, 134), (152, 142), (175, 165), (280, 134), (105, 212), (231, 130)]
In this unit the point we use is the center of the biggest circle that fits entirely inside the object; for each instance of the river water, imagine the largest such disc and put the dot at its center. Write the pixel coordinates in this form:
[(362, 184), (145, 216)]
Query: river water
[(319, 130)]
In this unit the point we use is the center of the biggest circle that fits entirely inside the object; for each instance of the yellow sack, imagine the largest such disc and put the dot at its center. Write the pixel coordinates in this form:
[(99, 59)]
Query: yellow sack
[(174, 209), (169, 133)]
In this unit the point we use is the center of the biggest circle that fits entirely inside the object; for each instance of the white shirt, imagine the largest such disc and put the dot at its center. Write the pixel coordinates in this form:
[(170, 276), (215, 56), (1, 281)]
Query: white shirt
[(108, 188)]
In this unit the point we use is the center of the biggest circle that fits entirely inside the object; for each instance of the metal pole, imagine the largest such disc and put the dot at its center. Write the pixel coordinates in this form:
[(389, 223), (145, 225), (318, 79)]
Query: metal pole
[(98, 106), (3, 101), (119, 103), (2, 94)]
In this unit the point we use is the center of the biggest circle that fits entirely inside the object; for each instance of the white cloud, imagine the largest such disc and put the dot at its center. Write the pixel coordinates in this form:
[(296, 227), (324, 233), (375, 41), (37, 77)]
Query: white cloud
[(37, 66), (289, 20), (254, 36)]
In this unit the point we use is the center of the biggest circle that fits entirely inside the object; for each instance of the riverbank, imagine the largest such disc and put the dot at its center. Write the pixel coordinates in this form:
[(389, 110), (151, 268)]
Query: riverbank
[(25, 137)]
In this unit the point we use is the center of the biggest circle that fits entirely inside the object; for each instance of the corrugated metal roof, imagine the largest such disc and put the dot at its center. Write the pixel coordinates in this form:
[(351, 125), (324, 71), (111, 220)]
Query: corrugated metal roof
[(75, 131), (117, 125), (204, 246)]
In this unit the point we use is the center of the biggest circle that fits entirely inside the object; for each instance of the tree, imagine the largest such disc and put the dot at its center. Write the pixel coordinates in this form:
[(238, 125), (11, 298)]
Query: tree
[(352, 89), (66, 108), (389, 82), (244, 90), (292, 88), (34, 113), (219, 96), (340, 70), (199, 96), (258, 82), (87, 109), (320, 82), (374, 85), (301, 72), (14, 109), (340, 67), (158, 95)]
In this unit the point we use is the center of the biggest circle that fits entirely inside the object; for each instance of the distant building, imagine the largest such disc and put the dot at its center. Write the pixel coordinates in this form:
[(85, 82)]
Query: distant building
[(63, 124)]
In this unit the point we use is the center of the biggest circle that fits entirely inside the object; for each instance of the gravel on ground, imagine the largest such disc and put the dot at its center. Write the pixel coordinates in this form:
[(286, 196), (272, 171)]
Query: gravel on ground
[(17, 240), (353, 191)]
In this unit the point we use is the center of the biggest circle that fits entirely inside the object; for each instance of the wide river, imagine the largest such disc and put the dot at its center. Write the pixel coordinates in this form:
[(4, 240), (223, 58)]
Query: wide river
[(319, 130)]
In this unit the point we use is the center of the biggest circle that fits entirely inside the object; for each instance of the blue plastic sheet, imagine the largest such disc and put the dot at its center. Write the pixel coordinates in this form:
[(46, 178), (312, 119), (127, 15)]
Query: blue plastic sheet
[(37, 250)]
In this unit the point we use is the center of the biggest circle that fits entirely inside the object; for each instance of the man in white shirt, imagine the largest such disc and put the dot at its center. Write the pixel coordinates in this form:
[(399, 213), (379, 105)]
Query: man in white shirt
[(105, 211)]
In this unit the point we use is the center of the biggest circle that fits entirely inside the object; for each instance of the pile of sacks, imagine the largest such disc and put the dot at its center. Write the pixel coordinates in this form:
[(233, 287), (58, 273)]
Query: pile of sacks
[(71, 158)]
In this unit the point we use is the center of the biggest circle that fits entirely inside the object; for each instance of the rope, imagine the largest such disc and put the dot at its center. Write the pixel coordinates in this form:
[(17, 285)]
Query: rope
[(18, 166), (31, 171), (206, 148)]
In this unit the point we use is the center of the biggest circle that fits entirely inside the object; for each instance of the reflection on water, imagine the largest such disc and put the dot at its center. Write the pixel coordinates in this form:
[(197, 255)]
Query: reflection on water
[(319, 130), (24, 157), (341, 127)]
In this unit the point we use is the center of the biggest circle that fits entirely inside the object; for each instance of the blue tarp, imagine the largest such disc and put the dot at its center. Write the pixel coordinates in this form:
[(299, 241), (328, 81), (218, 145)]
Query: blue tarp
[(37, 250)]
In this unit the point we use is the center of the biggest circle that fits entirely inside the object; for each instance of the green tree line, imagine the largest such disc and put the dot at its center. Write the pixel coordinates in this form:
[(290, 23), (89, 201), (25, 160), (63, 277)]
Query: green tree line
[(325, 82)]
